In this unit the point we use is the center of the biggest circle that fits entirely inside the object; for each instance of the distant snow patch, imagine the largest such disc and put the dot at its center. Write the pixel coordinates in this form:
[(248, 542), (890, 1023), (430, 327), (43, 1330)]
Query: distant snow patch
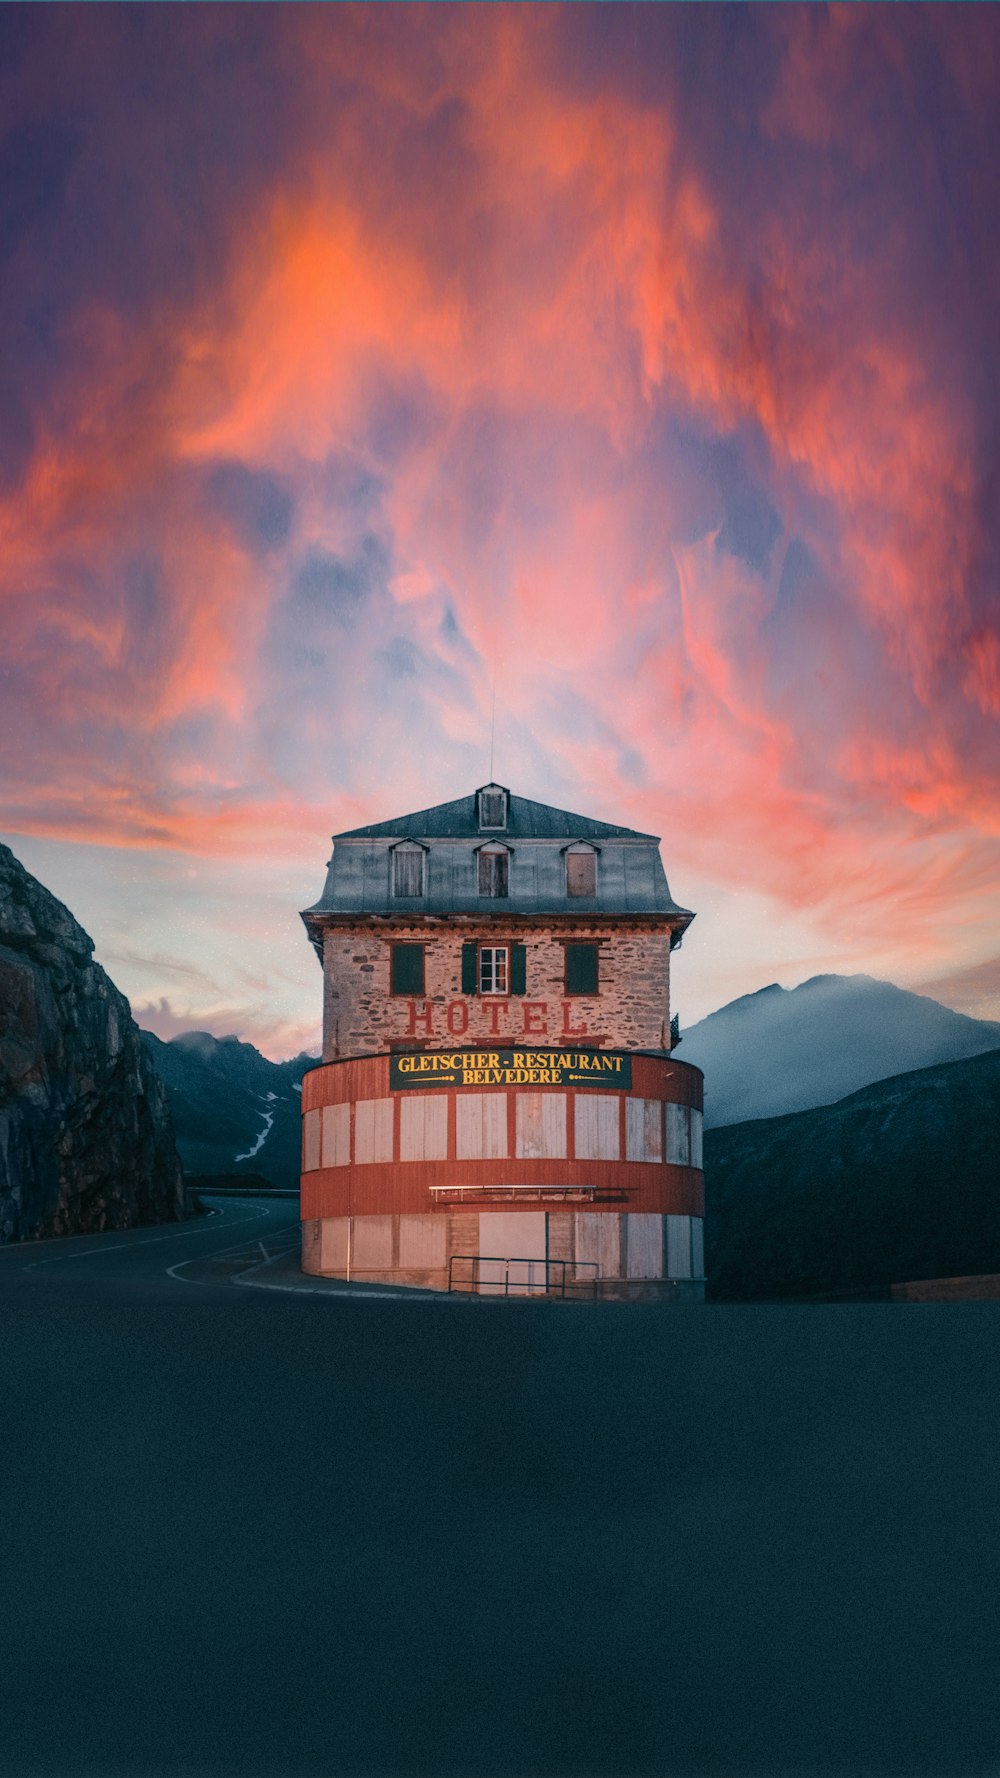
[(262, 1138)]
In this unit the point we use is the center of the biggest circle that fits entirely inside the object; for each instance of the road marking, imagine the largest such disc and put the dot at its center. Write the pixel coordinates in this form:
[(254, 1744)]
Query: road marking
[(226, 1253), (151, 1241)]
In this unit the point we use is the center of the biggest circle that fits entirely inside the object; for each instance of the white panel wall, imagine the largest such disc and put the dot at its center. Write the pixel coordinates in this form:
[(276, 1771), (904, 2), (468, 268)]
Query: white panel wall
[(644, 1246), (336, 1135), (541, 1126), (423, 1127), (697, 1247), (696, 1126), (372, 1131), (596, 1123), (481, 1126), (372, 1243), (423, 1241), (333, 1244), (513, 1234), (598, 1237), (310, 1141), (643, 1130), (678, 1246), (678, 1135)]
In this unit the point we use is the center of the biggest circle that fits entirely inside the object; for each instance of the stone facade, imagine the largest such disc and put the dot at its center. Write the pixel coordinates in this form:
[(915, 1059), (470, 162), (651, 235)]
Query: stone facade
[(362, 1017)]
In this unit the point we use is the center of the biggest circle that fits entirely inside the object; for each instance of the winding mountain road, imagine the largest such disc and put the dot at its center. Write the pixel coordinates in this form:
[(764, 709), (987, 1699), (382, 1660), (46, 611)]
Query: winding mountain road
[(240, 1247)]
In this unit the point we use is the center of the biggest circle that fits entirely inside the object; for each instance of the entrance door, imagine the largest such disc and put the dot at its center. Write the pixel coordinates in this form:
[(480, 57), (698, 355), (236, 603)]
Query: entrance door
[(517, 1236)]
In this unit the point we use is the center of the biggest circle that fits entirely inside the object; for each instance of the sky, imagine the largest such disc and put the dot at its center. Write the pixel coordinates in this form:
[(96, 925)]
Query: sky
[(639, 361)]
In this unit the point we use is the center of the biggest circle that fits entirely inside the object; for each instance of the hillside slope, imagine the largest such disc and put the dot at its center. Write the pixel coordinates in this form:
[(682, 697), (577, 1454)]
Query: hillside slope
[(234, 1111), (784, 1050), (896, 1182)]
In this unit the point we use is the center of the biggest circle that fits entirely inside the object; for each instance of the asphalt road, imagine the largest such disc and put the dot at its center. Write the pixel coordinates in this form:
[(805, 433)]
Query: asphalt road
[(205, 1255), (269, 1532), (240, 1243)]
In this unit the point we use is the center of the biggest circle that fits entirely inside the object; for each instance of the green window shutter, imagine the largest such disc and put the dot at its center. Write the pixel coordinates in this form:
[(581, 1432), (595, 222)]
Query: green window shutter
[(581, 969), (407, 969), (518, 969), (469, 968)]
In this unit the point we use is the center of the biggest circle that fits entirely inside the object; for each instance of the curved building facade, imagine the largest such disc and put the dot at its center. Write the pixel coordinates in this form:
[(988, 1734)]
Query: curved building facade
[(498, 1107)]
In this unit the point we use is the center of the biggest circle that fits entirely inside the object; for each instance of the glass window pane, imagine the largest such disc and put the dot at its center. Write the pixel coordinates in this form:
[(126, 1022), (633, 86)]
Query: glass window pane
[(493, 969)]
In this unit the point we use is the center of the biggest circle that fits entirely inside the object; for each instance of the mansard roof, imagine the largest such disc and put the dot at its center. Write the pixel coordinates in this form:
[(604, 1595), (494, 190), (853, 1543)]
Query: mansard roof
[(459, 820), (630, 880)]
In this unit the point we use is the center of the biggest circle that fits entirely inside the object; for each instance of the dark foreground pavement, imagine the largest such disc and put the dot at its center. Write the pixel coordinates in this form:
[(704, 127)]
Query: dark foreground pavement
[(261, 1533)]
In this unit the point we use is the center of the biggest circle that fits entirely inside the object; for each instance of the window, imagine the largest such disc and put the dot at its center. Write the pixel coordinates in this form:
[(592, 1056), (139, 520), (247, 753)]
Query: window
[(408, 870), (516, 967), (493, 871), (407, 969), (492, 806), (493, 973), (581, 969), (581, 872)]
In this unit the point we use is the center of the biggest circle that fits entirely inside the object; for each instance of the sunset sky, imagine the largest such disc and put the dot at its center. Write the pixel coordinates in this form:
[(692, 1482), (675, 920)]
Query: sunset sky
[(645, 356)]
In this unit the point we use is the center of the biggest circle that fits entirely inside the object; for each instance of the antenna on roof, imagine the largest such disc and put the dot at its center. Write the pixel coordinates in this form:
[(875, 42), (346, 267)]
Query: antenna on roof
[(493, 713)]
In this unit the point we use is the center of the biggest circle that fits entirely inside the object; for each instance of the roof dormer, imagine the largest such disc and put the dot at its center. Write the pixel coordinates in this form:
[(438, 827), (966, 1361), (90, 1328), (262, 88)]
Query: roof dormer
[(491, 807)]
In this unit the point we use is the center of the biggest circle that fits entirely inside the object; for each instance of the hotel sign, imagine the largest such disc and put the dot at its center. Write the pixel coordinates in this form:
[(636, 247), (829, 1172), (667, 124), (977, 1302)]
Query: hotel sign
[(511, 1068)]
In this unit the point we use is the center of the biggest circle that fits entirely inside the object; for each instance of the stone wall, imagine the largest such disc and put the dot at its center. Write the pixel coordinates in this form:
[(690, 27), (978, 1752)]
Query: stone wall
[(361, 1016)]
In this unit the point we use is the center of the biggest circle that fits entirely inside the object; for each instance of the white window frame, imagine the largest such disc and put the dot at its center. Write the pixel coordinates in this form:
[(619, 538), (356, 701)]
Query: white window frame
[(494, 976), (408, 849)]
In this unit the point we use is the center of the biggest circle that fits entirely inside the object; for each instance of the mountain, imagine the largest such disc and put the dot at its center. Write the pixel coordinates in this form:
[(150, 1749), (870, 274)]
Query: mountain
[(86, 1140), (784, 1050), (897, 1182), (234, 1111)]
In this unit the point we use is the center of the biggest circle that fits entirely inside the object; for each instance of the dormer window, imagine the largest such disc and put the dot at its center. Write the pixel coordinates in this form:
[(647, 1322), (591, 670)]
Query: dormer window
[(494, 870), (581, 870), (407, 870), (493, 806)]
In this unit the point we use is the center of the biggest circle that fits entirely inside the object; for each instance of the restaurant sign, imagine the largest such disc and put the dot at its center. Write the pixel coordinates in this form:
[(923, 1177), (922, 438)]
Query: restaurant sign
[(511, 1068)]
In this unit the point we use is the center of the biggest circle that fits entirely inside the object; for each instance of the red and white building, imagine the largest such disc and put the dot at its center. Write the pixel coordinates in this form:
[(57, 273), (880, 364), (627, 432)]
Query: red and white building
[(499, 1104)]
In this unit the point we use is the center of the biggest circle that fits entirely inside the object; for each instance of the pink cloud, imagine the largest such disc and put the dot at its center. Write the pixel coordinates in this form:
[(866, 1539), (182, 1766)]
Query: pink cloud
[(474, 345)]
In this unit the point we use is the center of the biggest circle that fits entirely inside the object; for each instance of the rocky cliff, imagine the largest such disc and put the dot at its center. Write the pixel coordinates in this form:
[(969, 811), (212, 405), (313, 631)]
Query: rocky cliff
[(86, 1140)]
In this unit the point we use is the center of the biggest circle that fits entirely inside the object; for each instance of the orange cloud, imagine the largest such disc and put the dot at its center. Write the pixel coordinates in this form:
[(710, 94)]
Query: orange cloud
[(481, 323)]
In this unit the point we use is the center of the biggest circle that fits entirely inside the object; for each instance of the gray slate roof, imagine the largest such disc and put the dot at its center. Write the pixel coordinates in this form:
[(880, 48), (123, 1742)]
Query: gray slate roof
[(459, 820), (630, 880)]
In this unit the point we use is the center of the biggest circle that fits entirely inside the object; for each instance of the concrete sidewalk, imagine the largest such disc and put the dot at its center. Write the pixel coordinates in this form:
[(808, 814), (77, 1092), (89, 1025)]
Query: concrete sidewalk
[(283, 1272)]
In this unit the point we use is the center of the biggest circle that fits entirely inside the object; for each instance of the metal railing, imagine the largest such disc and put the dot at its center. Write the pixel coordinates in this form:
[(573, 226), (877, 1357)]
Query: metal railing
[(675, 1030), (526, 1281)]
